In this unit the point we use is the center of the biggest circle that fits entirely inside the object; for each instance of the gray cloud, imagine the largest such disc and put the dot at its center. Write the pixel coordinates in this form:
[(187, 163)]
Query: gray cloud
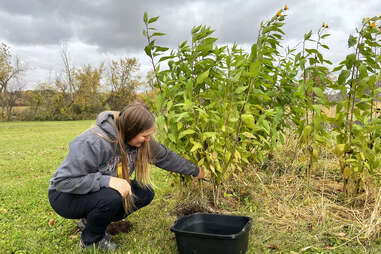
[(99, 29)]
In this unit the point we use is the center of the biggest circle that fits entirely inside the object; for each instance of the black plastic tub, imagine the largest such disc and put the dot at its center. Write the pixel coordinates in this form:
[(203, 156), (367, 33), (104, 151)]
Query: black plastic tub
[(203, 233)]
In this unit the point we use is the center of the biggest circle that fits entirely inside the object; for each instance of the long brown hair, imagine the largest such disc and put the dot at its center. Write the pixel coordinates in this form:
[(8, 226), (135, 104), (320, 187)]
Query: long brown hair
[(132, 120)]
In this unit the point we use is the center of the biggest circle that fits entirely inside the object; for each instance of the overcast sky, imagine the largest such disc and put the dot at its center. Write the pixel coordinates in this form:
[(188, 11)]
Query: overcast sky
[(98, 31)]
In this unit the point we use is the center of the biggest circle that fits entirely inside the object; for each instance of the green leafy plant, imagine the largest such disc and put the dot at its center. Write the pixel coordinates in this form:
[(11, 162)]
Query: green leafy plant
[(356, 123), (312, 101), (217, 105)]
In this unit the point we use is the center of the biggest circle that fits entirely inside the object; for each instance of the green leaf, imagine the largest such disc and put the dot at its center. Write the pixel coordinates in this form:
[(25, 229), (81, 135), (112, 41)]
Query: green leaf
[(338, 68), (240, 90), (325, 35), (307, 132), (188, 89), (195, 147), (248, 135), (206, 135), (350, 61), (158, 34), (160, 49), (148, 49), (339, 150), (186, 132), (202, 77), (254, 68), (248, 120), (145, 18), (343, 76), (196, 29), (318, 91), (165, 58), (352, 41), (347, 172), (151, 20), (307, 36), (171, 137), (266, 126)]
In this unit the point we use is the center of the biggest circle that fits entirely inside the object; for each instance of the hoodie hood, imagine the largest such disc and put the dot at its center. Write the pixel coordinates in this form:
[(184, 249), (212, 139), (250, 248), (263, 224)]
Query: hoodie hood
[(105, 121)]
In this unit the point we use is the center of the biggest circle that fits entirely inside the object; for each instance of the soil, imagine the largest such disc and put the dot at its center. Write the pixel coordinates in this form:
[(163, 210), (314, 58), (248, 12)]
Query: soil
[(114, 228), (186, 209), (119, 227)]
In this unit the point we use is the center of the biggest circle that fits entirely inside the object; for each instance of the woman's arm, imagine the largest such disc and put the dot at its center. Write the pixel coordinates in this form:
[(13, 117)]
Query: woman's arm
[(168, 160)]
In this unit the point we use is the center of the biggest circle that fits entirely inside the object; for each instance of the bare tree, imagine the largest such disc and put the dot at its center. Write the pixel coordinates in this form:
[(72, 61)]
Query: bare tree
[(9, 73), (13, 93), (68, 79)]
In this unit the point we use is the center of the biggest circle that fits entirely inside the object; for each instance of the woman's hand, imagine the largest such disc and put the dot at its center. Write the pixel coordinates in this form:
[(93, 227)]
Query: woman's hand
[(121, 185), (201, 175)]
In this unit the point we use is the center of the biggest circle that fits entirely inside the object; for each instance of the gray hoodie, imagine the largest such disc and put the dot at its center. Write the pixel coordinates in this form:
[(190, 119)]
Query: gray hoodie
[(92, 160)]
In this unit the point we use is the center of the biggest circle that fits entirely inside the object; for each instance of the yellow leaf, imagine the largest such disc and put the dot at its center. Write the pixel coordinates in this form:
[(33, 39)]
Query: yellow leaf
[(237, 155), (347, 172), (195, 147), (339, 150), (315, 154), (212, 169), (248, 135), (200, 162)]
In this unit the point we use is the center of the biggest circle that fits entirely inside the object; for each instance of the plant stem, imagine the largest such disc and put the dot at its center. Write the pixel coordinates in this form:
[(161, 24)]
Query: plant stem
[(152, 60)]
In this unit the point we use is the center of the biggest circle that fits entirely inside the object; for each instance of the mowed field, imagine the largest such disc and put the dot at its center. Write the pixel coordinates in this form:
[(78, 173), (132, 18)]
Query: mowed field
[(29, 154), (31, 151)]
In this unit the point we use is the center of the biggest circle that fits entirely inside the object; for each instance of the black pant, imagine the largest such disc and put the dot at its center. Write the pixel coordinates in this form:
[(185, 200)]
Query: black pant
[(99, 208)]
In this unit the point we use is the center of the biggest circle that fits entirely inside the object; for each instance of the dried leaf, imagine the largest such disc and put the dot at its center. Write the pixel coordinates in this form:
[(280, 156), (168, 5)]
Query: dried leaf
[(273, 247)]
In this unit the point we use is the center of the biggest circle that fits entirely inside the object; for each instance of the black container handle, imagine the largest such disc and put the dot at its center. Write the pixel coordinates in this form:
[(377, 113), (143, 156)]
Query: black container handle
[(247, 226)]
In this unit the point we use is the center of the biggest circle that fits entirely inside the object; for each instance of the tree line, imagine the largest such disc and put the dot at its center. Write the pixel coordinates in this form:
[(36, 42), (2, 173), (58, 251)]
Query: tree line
[(74, 93)]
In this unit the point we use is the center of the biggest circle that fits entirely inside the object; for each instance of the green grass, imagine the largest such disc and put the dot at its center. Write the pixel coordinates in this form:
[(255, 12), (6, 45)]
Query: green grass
[(31, 151)]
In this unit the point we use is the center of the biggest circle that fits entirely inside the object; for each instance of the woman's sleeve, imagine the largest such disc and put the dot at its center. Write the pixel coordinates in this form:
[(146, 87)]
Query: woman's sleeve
[(78, 173), (168, 160)]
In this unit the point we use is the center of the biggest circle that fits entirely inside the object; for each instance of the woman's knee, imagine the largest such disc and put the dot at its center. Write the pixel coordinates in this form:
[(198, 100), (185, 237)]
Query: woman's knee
[(111, 199), (145, 197)]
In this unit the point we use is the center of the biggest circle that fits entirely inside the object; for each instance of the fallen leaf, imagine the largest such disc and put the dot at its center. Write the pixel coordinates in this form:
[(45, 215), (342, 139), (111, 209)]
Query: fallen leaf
[(273, 247), (51, 222), (73, 236), (76, 229)]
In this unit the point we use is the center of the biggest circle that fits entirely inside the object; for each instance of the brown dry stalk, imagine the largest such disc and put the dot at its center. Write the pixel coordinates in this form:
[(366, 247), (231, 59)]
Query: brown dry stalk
[(375, 218)]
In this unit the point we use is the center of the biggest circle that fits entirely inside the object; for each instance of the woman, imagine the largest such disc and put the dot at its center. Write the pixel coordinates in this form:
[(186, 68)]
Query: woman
[(93, 182)]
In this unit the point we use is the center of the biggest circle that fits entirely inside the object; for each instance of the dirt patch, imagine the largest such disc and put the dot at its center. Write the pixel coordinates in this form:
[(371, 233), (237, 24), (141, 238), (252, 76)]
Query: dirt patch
[(119, 227), (190, 208)]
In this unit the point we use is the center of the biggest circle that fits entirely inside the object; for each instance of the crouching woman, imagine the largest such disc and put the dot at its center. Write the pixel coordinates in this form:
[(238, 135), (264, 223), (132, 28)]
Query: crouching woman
[(93, 182)]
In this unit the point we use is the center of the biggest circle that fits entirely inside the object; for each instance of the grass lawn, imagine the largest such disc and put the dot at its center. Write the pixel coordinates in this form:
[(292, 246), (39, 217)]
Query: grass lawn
[(31, 151)]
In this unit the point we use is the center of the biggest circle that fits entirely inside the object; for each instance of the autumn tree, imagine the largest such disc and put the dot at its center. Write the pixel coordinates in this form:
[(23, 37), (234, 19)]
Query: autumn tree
[(122, 82), (10, 85), (87, 84)]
